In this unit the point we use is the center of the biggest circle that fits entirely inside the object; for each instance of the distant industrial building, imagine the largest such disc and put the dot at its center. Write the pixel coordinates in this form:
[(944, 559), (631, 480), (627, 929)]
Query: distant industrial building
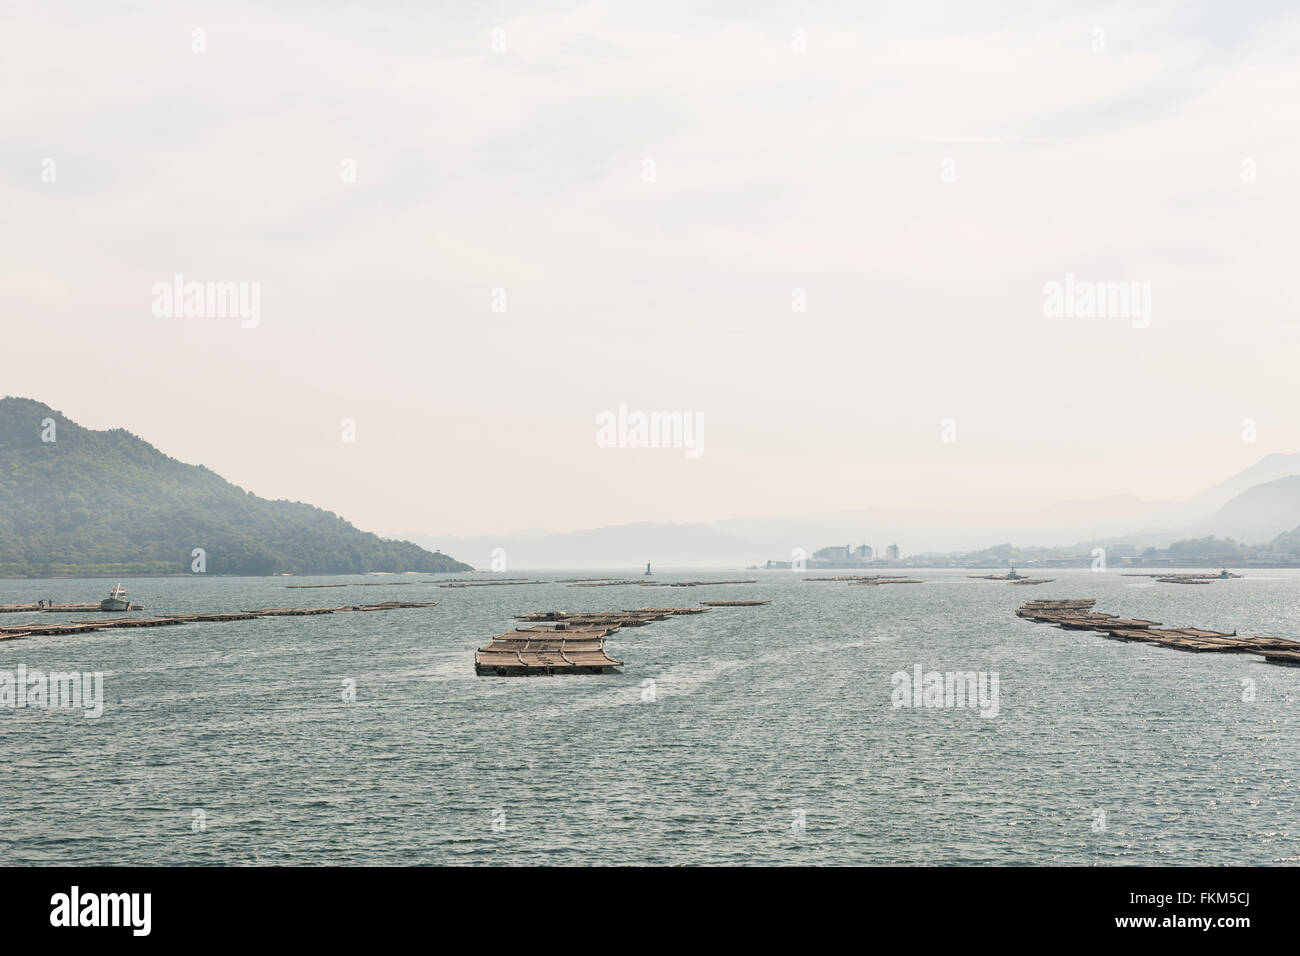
[(863, 552), (833, 553), (841, 556)]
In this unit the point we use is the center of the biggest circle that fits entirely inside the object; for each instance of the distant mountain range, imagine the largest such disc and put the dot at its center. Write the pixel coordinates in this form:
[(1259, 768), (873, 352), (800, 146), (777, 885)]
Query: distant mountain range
[(77, 501), (107, 502), (1254, 506), (1258, 514), (1201, 509)]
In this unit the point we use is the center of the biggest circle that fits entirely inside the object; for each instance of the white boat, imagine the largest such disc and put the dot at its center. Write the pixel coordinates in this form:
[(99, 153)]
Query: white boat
[(116, 600)]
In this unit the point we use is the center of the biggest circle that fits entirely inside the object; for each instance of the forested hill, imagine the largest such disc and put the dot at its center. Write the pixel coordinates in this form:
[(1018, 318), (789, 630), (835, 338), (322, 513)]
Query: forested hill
[(91, 502)]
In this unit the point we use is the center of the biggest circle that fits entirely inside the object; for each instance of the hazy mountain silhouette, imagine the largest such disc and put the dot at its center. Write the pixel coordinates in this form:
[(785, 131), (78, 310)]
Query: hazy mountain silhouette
[(1198, 508), (1259, 514), (743, 541)]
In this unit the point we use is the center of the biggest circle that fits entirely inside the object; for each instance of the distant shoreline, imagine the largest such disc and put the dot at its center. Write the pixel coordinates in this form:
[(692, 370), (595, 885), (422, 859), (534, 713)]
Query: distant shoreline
[(1115, 570)]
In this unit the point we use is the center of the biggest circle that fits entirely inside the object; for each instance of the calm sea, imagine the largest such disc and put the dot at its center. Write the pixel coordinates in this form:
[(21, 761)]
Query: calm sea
[(743, 735)]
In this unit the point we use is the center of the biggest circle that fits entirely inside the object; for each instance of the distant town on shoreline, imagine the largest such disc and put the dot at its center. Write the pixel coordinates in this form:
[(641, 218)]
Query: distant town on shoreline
[(1192, 553)]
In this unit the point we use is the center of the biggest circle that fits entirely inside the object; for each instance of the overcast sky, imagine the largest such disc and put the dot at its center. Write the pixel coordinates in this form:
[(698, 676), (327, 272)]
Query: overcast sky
[(654, 188)]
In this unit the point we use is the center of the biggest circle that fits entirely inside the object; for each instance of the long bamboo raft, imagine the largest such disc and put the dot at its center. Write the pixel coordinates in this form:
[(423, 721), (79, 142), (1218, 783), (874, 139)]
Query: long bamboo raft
[(35, 608), (666, 610), (692, 584), (1077, 615), (597, 618), (879, 581), (486, 584), (1223, 575), (570, 642), (870, 580), (33, 629), (586, 580), (1011, 577), (294, 611), (846, 577), (613, 582)]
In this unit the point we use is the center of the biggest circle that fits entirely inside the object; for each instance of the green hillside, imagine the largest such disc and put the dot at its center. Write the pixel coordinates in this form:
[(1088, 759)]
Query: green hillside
[(107, 502)]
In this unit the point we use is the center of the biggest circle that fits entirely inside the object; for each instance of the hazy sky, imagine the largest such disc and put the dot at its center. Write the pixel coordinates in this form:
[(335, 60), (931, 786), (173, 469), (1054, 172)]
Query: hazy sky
[(649, 184)]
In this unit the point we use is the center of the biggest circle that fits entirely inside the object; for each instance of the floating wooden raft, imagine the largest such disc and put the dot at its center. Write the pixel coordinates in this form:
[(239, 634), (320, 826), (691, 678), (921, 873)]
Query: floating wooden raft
[(131, 622), (389, 605), (492, 578), (212, 616), (869, 579), (1282, 657), (665, 610), (294, 611), (847, 577), (76, 627), (734, 603), (1177, 574), (40, 630), (691, 584), (568, 632), (569, 642), (1018, 579), (485, 584), (1078, 615), (613, 618), (1056, 604), (571, 657), (601, 584), (56, 608), (561, 649)]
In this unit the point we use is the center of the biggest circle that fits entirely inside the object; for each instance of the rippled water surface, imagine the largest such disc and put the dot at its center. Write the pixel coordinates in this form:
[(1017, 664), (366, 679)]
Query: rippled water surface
[(762, 718)]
